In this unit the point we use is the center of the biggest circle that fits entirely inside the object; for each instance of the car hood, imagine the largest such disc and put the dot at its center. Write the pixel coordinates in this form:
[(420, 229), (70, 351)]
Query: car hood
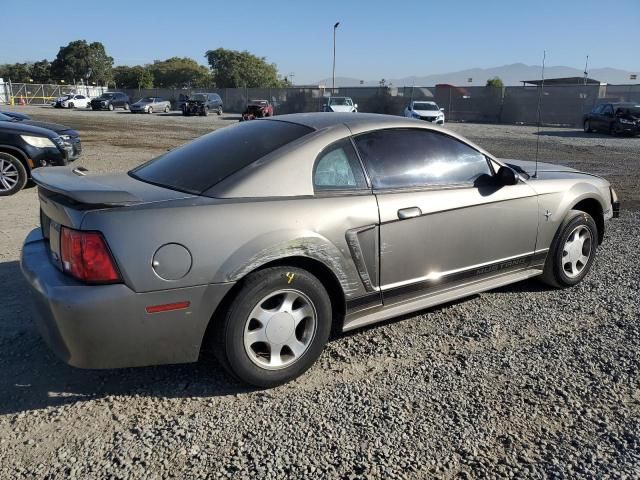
[(56, 127), (428, 113), (341, 108), (529, 166), (24, 127)]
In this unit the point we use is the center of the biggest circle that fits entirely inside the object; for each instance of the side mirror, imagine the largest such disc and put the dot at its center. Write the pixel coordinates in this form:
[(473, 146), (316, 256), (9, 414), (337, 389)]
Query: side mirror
[(442, 109), (355, 105), (506, 176)]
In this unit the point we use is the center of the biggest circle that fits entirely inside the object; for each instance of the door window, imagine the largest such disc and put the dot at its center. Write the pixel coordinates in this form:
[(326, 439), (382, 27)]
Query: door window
[(338, 168), (607, 110), (405, 157)]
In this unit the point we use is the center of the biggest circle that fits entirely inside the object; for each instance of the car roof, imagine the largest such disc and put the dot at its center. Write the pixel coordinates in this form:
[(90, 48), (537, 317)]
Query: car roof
[(356, 122)]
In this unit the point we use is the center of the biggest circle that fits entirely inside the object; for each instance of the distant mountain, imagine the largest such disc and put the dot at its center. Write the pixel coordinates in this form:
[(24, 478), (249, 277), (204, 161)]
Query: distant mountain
[(510, 74)]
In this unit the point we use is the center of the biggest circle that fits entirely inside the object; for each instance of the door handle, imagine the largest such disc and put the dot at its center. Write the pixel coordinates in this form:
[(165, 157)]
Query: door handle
[(409, 212)]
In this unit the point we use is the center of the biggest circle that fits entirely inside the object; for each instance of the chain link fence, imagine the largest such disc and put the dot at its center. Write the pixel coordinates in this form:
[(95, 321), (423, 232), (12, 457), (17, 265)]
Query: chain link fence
[(43, 94), (562, 105)]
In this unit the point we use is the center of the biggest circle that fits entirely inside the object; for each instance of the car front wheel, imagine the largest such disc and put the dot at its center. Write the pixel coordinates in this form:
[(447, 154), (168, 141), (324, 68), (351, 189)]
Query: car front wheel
[(275, 328), (587, 126), (572, 251), (111, 107), (13, 175)]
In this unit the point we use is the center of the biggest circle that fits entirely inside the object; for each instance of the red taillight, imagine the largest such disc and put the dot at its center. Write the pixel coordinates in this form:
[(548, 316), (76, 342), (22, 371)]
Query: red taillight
[(86, 257)]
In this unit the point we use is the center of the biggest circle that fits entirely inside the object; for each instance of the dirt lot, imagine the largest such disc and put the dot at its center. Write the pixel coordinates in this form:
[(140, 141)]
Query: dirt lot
[(521, 382)]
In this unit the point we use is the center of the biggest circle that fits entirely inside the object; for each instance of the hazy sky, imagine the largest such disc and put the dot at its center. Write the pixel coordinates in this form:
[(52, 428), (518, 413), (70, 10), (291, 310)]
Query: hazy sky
[(376, 39)]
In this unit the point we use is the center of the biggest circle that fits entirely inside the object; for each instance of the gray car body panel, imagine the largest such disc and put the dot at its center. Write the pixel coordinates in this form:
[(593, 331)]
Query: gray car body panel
[(465, 240)]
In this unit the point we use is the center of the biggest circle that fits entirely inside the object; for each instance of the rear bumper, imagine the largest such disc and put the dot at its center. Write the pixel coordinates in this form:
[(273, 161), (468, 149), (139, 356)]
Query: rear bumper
[(107, 326)]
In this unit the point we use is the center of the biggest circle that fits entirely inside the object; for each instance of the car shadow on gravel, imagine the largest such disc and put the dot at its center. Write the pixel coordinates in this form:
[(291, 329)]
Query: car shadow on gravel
[(31, 377)]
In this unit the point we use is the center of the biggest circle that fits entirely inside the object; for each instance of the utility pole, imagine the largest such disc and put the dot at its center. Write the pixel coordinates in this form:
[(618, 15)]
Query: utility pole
[(333, 84)]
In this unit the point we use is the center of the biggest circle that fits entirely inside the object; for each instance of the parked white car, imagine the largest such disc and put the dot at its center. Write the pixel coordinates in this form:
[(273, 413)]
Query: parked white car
[(423, 110), (72, 101), (340, 104)]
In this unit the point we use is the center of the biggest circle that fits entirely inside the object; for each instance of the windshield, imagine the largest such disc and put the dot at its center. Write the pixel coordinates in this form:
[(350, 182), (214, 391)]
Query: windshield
[(425, 106), (200, 97), (202, 163), (342, 101)]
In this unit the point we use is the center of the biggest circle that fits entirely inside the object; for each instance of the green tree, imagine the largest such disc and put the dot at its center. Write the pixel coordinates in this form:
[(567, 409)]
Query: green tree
[(178, 72), (232, 68), (80, 59), (16, 72), (132, 77), (495, 82), (41, 71)]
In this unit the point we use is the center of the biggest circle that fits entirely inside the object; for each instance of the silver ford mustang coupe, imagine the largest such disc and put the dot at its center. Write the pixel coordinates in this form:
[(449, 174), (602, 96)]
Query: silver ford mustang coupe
[(258, 240)]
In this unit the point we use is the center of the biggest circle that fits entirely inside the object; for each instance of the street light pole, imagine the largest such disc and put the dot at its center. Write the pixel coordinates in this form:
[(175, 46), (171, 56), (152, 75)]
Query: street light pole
[(333, 83)]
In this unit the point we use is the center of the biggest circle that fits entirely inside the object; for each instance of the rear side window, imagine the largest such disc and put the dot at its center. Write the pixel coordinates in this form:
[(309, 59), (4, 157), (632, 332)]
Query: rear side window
[(400, 158), (202, 163), (338, 168)]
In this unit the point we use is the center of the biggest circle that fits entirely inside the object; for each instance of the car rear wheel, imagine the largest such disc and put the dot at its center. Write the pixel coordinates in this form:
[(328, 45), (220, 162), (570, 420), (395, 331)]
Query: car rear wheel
[(587, 126), (13, 175), (572, 251), (275, 328), (126, 106), (111, 107), (150, 110), (219, 110), (166, 109)]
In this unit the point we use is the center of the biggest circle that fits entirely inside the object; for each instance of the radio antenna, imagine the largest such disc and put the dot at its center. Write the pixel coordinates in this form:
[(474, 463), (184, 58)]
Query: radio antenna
[(544, 57)]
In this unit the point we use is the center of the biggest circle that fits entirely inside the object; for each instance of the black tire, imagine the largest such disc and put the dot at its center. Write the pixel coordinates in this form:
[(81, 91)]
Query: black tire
[(220, 110), (71, 105), (17, 169), (111, 107), (587, 127), (150, 110), (228, 338), (554, 271), (166, 109), (126, 106), (205, 112)]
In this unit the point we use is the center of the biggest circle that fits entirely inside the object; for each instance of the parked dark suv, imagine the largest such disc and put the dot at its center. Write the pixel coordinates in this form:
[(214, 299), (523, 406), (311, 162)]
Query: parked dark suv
[(202, 104), (110, 101), (24, 147), (615, 118)]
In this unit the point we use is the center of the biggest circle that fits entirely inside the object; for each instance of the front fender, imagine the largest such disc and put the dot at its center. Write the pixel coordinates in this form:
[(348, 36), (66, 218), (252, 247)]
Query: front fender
[(554, 206)]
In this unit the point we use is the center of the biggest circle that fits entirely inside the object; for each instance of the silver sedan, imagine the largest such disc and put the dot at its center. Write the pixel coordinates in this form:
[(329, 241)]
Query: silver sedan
[(257, 240), (150, 105)]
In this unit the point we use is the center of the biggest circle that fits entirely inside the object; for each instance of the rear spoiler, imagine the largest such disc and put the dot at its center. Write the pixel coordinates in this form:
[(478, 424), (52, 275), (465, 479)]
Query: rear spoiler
[(81, 188)]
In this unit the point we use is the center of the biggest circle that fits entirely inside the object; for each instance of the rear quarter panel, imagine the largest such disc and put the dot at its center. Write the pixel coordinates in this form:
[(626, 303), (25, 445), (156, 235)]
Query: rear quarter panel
[(228, 239)]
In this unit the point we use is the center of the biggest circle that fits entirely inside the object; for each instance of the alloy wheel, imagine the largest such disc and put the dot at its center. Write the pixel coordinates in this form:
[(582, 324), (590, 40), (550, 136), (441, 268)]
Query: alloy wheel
[(280, 329), (8, 175), (576, 251)]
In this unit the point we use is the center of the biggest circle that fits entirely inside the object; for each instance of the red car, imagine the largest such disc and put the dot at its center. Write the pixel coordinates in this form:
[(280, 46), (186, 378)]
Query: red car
[(257, 109)]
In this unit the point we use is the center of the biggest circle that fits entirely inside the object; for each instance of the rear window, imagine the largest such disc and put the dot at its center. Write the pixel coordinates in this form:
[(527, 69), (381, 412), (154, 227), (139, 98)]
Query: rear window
[(202, 163)]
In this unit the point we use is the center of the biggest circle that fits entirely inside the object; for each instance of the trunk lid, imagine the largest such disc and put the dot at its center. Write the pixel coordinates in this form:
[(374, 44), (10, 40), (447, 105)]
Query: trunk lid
[(67, 195)]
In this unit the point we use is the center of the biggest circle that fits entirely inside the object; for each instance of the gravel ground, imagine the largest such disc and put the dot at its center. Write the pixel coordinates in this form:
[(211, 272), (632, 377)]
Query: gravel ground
[(521, 382)]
